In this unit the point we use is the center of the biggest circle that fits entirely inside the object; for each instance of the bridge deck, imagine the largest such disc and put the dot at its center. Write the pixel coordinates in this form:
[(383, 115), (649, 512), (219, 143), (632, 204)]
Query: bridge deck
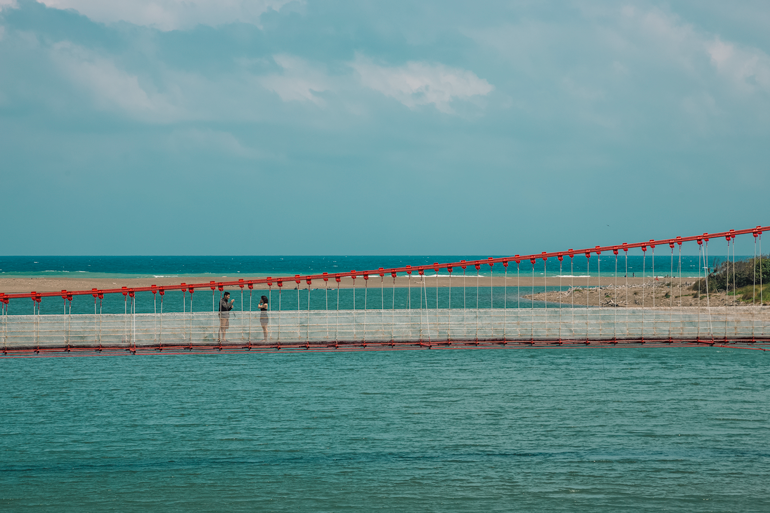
[(387, 328)]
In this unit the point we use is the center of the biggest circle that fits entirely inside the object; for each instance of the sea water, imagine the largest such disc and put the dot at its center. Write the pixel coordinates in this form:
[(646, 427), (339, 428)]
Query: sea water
[(449, 430), (262, 266), (375, 293)]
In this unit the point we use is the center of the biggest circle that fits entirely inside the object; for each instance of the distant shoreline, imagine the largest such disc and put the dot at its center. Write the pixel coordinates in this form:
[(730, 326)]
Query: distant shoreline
[(15, 285)]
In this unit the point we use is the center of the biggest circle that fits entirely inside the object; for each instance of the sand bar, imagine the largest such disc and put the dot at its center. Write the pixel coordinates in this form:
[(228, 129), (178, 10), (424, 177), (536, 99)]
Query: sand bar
[(45, 284)]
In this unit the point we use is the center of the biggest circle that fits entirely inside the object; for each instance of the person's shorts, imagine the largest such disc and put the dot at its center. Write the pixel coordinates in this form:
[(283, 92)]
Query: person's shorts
[(224, 322), (264, 320)]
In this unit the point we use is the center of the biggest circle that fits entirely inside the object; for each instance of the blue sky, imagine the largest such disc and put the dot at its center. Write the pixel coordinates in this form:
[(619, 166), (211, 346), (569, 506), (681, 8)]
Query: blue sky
[(433, 127)]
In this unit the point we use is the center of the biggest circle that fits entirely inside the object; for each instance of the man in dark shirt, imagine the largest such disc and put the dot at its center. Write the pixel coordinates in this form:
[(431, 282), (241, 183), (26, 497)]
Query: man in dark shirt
[(225, 305)]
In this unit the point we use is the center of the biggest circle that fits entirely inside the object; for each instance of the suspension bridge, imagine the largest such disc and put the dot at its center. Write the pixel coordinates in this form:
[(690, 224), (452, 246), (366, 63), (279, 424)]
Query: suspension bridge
[(439, 320)]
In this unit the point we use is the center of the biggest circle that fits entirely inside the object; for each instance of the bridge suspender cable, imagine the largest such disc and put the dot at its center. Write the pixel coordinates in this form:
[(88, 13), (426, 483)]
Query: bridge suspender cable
[(259, 281)]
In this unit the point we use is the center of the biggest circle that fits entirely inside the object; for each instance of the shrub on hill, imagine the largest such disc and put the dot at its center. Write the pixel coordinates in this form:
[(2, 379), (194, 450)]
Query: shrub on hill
[(728, 276)]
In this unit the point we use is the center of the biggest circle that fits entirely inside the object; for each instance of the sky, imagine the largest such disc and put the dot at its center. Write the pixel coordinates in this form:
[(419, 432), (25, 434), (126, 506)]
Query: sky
[(269, 127)]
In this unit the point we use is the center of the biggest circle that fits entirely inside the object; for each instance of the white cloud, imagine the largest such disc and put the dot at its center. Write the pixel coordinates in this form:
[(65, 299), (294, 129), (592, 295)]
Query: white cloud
[(747, 68), (110, 87), (299, 81), (164, 95), (421, 83), (615, 57), (169, 14)]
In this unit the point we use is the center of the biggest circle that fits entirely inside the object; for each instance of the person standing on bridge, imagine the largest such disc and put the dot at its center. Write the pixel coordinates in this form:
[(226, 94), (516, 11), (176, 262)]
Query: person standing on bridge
[(263, 315), (225, 305)]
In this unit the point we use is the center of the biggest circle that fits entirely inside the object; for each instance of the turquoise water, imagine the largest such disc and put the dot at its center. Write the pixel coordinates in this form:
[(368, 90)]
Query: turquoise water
[(318, 299), (118, 267), (453, 430), (232, 268)]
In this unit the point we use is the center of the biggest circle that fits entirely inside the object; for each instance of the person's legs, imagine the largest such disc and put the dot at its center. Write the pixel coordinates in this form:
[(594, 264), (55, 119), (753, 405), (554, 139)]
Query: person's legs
[(263, 320), (223, 325)]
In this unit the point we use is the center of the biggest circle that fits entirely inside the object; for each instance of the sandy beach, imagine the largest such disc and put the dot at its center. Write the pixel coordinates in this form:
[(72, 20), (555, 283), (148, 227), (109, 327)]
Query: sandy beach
[(46, 284)]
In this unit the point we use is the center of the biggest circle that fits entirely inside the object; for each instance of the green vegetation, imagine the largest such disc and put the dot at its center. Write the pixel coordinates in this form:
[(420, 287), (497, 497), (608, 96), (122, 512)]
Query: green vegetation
[(738, 278), (752, 294)]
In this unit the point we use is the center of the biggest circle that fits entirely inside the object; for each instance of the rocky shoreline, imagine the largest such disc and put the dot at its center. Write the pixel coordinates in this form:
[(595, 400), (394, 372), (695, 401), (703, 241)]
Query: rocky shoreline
[(658, 293)]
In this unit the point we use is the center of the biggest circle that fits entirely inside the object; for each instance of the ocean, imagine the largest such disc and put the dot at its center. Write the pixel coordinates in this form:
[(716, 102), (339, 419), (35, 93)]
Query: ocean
[(263, 266), (450, 430)]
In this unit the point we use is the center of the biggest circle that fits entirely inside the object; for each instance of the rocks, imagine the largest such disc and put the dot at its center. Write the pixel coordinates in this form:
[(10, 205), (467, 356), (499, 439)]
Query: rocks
[(647, 294)]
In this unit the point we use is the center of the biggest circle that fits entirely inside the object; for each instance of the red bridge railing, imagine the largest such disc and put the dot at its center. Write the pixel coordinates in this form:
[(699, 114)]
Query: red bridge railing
[(449, 267)]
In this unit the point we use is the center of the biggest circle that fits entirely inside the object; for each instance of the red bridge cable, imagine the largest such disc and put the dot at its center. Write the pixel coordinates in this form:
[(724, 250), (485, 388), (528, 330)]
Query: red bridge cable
[(407, 269)]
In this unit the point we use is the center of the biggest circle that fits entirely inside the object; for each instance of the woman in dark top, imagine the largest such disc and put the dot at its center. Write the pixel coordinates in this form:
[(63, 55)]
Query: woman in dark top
[(263, 315)]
